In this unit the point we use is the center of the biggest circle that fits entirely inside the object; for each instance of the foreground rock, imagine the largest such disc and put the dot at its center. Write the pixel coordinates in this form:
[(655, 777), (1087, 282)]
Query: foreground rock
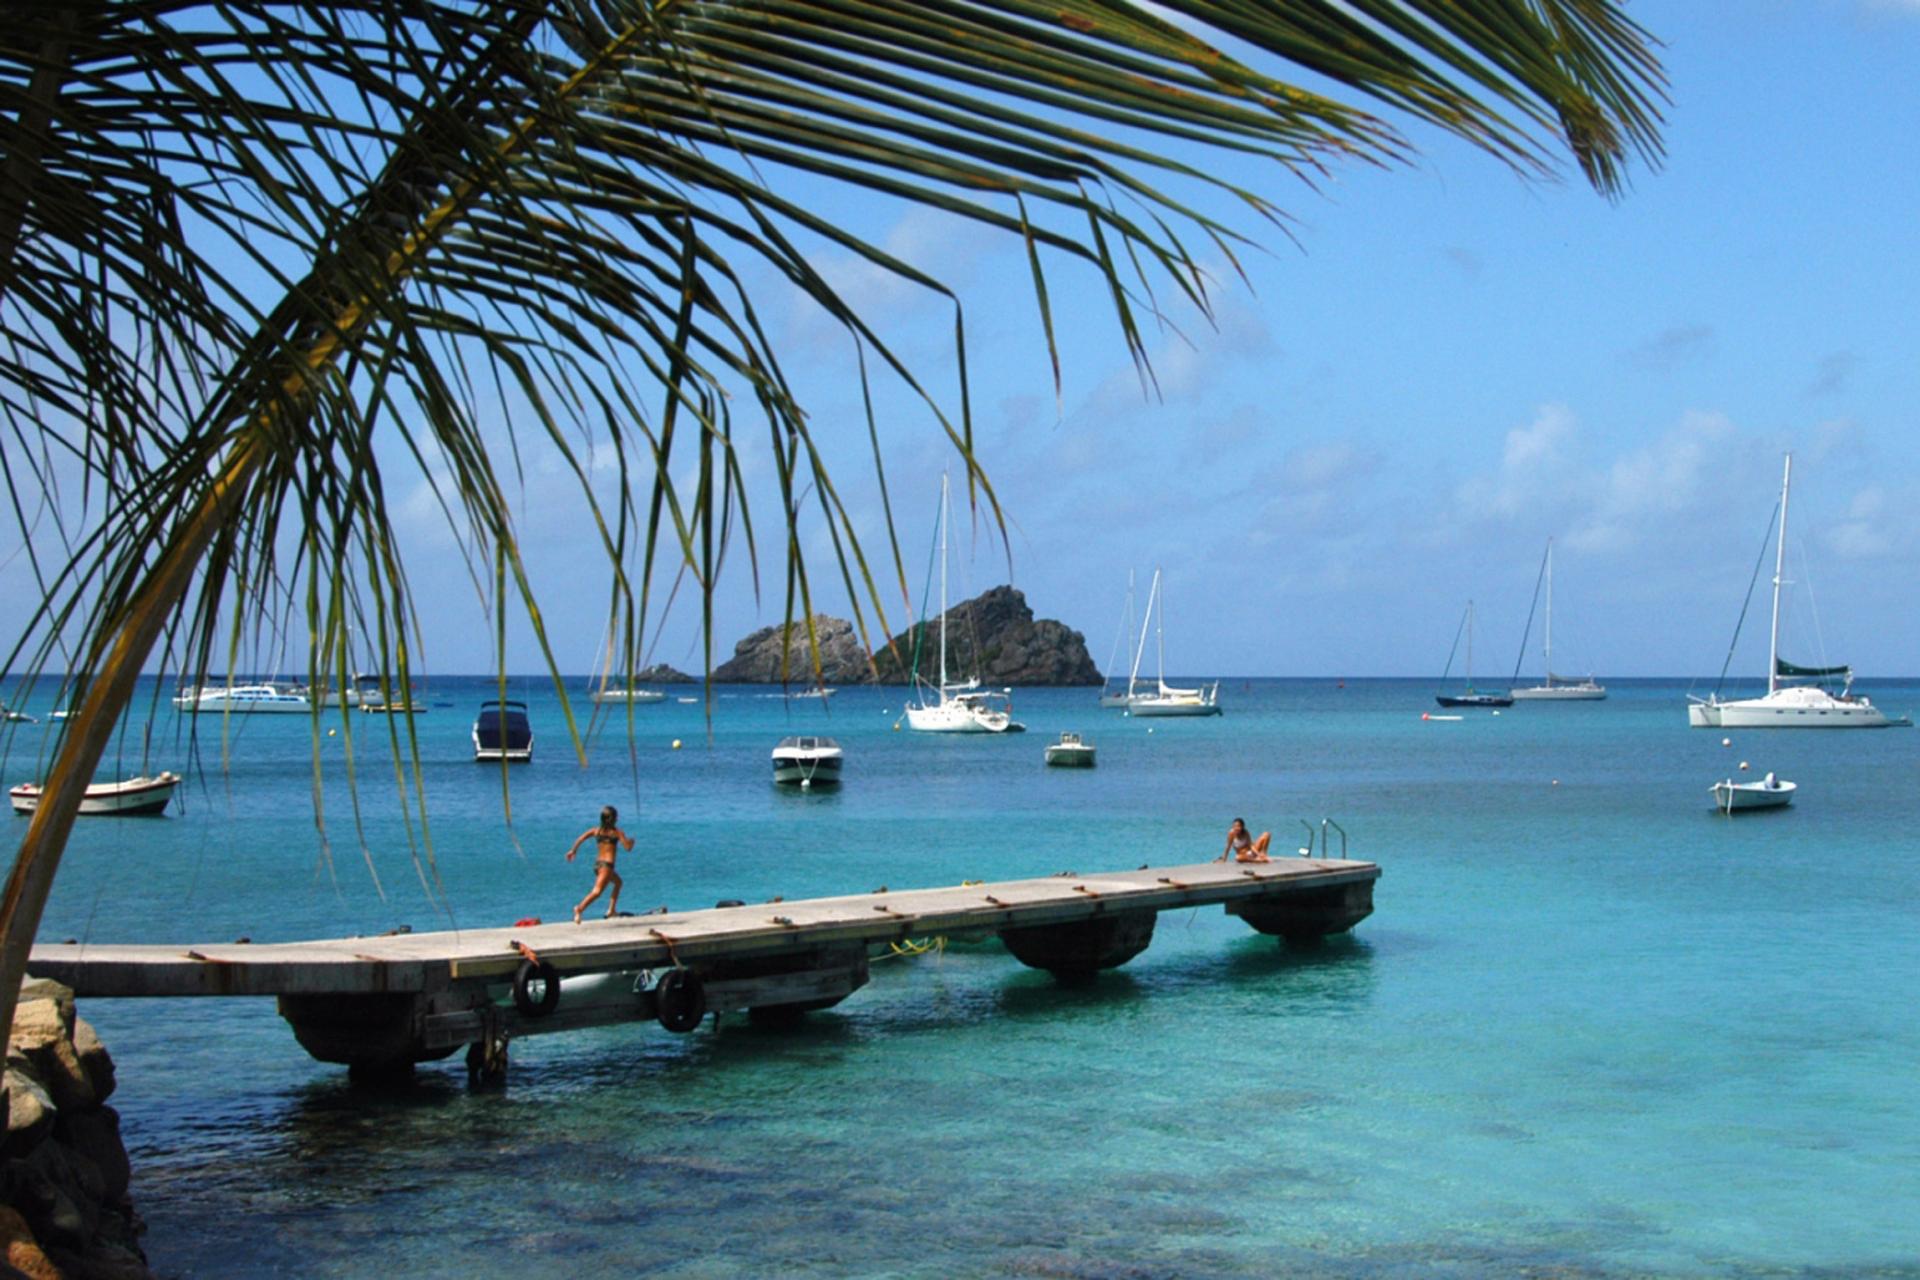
[(758, 659), (64, 1209), (996, 637)]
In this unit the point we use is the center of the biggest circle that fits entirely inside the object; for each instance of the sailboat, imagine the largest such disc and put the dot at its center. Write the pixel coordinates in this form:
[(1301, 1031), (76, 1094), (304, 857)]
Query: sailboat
[(1165, 700), (955, 707), (1469, 697), (1788, 705), (1109, 696), (1557, 688), (623, 691)]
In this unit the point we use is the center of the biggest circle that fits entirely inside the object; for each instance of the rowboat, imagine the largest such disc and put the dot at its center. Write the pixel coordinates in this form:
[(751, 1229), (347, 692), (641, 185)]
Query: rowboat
[(132, 798), (1768, 793)]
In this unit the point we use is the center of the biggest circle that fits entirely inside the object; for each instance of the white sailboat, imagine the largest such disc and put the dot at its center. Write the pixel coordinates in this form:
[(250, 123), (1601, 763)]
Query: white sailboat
[(1165, 700), (1788, 706), (949, 707), (1109, 696), (1557, 688)]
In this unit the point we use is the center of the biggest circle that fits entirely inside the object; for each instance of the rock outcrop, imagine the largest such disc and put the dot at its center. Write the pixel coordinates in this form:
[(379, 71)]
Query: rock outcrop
[(996, 637), (757, 659), (64, 1209), (661, 673)]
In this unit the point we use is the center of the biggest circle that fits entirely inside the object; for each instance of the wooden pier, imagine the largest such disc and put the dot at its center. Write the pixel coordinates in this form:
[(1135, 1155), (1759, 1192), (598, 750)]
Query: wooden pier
[(381, 1004)]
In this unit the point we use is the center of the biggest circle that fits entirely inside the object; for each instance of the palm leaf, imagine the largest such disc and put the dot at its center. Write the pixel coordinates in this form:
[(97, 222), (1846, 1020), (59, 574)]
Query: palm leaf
[(248, 251)]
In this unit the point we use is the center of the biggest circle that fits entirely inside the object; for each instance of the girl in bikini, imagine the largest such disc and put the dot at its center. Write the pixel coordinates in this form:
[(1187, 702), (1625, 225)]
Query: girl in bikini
[(610, 839), (1244, 847)]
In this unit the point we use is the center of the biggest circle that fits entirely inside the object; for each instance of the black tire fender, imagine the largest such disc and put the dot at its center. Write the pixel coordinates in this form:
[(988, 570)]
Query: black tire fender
[(523, 980), (680, 1000)]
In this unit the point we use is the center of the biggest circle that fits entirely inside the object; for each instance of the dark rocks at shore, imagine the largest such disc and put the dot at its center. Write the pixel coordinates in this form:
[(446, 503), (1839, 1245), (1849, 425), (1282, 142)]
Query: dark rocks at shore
[(758, 659), (996, 637), (64, 1209), (661, 673)]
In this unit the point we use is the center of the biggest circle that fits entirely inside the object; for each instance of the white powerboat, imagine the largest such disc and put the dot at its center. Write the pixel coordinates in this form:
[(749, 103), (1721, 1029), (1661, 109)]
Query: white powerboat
[(1768, 793), (1788, 706), (1070, 752), (132, 798), (501, 732), (807, 762), (1557, 688), (9, 716), (626, 693), (948, 707), (245, 699), (1165, 700)]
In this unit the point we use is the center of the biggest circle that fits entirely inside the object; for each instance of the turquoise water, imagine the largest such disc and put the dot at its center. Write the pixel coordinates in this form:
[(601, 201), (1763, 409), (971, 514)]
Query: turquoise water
[(1592, 1029)]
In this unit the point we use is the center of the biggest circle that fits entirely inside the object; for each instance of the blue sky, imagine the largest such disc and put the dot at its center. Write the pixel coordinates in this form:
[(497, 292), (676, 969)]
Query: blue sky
[(1448, 365), (1453, 364)]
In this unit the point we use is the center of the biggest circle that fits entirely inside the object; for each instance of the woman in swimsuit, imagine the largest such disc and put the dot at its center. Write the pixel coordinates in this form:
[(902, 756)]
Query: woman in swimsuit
[(1243, 847), (611, 839)]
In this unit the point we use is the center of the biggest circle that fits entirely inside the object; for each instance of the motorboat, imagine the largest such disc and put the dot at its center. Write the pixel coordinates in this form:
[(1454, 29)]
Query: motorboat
[(1769, 793), (1164, 699), (819, 693), (630, 694), (1788, 703), (1556, 688), (807, 761), (245, 699), (9, 716), (136, 797), (949, 707), (1070, 752), (501, 732), (1468, 697)]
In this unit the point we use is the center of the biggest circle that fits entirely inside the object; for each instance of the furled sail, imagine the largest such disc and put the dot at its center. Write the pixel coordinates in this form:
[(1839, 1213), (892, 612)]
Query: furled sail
[(1793, 671)]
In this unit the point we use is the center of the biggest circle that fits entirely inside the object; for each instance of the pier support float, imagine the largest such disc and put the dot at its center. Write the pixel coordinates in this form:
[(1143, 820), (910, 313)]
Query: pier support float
[(374, 1036), (1076, 950), (1308, 916)]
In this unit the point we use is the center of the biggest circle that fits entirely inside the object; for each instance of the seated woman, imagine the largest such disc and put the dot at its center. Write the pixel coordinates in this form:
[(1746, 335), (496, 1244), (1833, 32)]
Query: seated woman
[(1243, 847)]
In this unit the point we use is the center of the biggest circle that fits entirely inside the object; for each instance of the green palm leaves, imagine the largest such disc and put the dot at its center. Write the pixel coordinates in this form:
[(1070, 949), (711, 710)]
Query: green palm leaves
[(262, 261)]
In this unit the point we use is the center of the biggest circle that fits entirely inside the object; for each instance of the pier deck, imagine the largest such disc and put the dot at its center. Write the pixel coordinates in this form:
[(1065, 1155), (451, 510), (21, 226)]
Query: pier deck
[(395, 999)]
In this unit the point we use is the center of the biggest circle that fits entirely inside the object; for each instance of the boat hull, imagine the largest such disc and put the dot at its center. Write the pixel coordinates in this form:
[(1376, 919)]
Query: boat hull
[(245, 700), (1788, 712), (1070, 757), (635, 697), (134, 798), (1559, 693), (1738, 797), (1473, 700), (1153, 707), (797, 771)]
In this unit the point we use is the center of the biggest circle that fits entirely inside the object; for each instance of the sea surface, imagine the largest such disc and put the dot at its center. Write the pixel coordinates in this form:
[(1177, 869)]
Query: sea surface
[(1593, 1028)]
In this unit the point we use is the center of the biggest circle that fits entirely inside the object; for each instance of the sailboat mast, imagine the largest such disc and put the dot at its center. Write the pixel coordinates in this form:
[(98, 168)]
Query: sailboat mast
[(1152, 595), (1160, 642), (1779, 568), (943, 586), (1469, 646), (1548, 654)]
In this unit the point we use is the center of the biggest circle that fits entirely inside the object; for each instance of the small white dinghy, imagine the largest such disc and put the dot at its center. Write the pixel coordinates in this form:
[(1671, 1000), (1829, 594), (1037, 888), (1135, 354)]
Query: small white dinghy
[(132, 798), (807, 762), (1769, 793), (1070, 752)]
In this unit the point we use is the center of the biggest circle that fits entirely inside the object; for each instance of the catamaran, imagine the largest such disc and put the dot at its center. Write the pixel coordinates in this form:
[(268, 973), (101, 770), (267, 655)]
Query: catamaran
[(1788, 705), (1468, 697), (1165, 700), (955, 707), (1557, 688)]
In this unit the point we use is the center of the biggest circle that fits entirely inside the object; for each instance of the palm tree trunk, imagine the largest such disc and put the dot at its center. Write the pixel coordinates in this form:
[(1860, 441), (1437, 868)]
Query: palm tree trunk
[(89, 732)]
